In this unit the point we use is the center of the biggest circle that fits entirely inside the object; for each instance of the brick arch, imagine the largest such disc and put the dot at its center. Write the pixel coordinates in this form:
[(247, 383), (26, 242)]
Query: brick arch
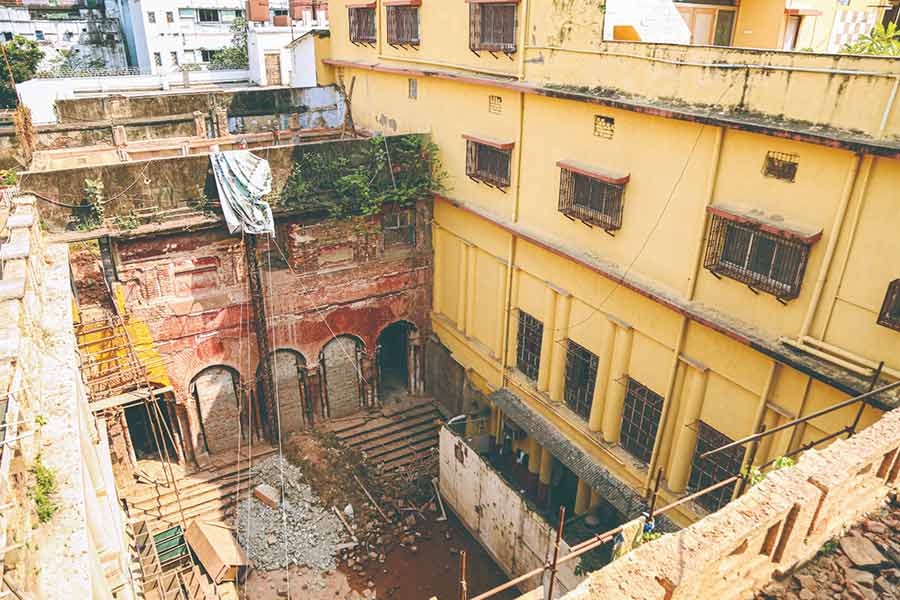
[(291, 385), (340, 364), (216, 393)]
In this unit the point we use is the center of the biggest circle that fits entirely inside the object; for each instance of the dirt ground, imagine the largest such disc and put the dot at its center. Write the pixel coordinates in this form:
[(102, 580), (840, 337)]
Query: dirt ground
[(413, 556)]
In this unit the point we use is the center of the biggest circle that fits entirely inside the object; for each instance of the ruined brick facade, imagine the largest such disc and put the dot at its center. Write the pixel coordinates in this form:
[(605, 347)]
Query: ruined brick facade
[(325, 279)]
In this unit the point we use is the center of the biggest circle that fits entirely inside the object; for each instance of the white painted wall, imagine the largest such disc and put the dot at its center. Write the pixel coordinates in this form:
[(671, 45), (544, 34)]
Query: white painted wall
[(303, 61), (519, 539), (656, 21), (270, 40)]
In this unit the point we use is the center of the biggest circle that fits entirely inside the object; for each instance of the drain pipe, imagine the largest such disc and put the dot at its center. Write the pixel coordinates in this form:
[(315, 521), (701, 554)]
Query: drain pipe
[(846, 194)]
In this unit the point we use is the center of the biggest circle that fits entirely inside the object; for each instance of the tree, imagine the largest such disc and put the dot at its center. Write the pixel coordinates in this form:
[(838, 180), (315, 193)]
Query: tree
[(69, 61), (24, 57), (882, 41), (234, 56)]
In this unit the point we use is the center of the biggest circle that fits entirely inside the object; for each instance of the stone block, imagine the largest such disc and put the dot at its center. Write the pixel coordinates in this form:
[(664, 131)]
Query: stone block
[(266, 494)]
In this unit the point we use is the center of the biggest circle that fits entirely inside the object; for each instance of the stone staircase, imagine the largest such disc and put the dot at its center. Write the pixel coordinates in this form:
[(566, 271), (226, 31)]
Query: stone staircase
[(400, 435), (210, 493)]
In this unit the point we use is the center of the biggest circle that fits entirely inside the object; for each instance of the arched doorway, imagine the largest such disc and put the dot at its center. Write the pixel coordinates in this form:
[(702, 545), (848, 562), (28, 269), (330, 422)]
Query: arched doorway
[(289, 370), (216, 391), (151, 427), (394, 361), (341, 367)]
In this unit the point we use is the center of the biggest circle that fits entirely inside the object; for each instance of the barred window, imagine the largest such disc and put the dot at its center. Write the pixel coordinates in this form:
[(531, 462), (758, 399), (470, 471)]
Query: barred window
[(781, 165), (713, 469), (488, 163), (362, 24), (640, 420), (592, 197), (403, 25), (581, 375), (765, 261), (492, 27), (528, 351), (399, 228), (890, 309)]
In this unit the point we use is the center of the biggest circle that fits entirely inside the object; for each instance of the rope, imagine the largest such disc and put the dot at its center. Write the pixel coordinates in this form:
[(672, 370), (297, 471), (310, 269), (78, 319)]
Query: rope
[(278, 421)]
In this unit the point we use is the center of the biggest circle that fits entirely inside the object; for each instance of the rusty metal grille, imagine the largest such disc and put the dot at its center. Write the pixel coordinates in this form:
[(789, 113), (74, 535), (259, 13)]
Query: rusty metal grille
[(487, 164), (581, 375), (528, 350), (890, 309), (399, 228), (760, 259), (590, 200), (492, 27), (362, 25), (403, 25), (781, 165), (640, 420), (713, 469)]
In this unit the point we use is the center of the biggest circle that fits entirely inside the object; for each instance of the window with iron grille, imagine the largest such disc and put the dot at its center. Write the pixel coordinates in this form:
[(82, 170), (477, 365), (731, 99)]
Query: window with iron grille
[(362, 24), (207, 15), (781, 166), (399, 228), (590, 199), (713, 469), (762, 260), (640, 420), (487, 163), (492, 27), (581, 375), (528, 350), (890, 309), (403, 25)]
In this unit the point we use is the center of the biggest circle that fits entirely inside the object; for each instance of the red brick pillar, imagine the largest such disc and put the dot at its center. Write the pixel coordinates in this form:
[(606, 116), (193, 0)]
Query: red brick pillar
[(199, 124)]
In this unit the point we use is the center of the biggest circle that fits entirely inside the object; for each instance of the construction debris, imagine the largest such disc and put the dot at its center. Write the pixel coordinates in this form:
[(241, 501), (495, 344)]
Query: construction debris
[(305, 533), (267, 494)]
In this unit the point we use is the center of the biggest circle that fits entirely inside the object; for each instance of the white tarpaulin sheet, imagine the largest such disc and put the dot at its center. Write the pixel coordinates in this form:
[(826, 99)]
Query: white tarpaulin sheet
[(243, 179)]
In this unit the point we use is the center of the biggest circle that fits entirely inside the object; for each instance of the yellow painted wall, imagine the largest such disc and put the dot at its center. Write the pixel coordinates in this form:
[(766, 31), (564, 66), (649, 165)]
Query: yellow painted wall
[(760, 24)]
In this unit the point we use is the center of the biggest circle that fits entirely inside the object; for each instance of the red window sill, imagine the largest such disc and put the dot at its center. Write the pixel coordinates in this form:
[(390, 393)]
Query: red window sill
[(764, 222), (498, 144), (604, 175)]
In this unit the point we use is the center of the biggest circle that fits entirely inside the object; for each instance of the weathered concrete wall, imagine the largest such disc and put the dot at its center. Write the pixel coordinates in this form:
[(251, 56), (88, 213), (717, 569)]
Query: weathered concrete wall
[(516, 536), (776, 526)]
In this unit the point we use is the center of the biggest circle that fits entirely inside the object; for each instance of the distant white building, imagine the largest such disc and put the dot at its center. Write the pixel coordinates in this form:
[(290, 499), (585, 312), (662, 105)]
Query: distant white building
[(83, 27), (164, 35)]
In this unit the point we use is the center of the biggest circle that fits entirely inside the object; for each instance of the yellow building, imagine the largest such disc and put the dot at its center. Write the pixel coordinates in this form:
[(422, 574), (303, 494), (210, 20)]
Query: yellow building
[(653, 249)]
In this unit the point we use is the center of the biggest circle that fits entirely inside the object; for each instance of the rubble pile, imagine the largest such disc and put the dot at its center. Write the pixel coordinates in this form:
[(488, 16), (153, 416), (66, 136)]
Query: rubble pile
[(313, 532), (864, 564)]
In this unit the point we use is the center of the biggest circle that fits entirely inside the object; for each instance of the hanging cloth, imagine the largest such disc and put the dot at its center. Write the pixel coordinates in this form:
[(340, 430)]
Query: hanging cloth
[(629, 538), (242, 180)]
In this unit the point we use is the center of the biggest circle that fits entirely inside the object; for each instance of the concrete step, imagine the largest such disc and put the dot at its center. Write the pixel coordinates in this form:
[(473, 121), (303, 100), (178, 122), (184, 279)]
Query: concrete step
[(187, 504), (363, 425), (383, 435), (417, 447), (403, 438)]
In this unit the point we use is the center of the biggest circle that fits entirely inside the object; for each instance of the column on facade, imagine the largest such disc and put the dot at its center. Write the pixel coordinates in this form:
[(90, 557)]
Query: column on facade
[(88, 454), (534, 464), (97, 521), (199, 124), (437, 271), (596, 498), (461, 300), (686, 429), (560, 347), (550, 297), (471, 282), (545, 477), (502, 316), (583, 497), (615, 386), (595, 422)]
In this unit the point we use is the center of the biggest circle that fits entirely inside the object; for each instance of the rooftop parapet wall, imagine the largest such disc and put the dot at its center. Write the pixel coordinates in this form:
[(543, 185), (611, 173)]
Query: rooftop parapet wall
[(809, 89), (779, 524)]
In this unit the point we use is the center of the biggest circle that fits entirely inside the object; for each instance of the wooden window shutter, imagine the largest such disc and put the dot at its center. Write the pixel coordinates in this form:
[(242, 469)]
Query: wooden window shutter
[(474, 26)]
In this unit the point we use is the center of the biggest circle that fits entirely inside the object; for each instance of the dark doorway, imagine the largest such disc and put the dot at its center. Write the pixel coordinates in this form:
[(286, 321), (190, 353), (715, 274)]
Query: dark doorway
[(142, 419), (562, 492), (393, 360)]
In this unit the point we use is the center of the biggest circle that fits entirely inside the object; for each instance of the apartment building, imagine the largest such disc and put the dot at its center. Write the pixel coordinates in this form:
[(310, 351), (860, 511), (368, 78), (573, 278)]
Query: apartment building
[(167, 35), (85, 30), (644, 251)]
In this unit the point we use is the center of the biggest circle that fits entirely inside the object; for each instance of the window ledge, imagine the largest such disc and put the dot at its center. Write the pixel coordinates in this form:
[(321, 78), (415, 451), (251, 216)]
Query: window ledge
[(492, 1), (498, 144), (774, 224), (403, 3), (803, 12), (605, 175), (362, 5)]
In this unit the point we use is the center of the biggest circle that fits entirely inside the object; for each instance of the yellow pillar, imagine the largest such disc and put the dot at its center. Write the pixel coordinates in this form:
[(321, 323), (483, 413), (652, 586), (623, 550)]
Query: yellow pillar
[(502, 317), (471, 271), (437, 271), (615, 387), (547, 339), (595, 423), (534, 456), (463, 286), (546, 475), (560, 347), (686, 432), (582, 498), (596, 498)]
